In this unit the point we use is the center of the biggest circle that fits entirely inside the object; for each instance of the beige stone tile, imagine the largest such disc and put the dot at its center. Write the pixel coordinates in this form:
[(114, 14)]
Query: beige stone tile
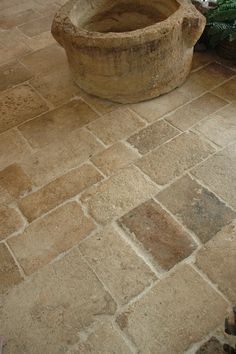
[(10, 221), (152, 136), (202, 58), (116, 125), (14, 180), (158, 233), (37, 26), (47, 237), (12, 46), (116, 264), (221, 127), (119, 194), (196, 207), (56, 125), (56, 159), (10, 17), (9, 273), (40, 41), (13, 148), (58, 191), (57, 89), (5, 197), (166, 317), (219, 174), (174, 158), (155, 109), (13, 74), (217, 259), (56, 306), (18, 105), (115, 157), (101, 105), (227, 90), (193, 112)]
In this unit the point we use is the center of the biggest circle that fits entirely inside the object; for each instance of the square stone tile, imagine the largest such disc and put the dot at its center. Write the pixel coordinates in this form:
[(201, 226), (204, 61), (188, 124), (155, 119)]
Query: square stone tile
[(56, 306), (193, 112), (152, 136), (172, 316), (221, 127), (10, 221), (57, 124), (119, 194), (114, 158), (227, 90), (196, 207), (174, 158), (58, 191), (57, 158), (14, 180), (158, 107), (116, 264), (158, 233), (116, 125), (18, 105), (212, 346), (46, 238), (217, 259), (219, 174), (13, 148), (13, 74), (33, 28), (9, 272)]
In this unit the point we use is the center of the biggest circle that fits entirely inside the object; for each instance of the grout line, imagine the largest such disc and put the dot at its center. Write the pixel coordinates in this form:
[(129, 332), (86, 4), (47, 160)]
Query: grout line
[(22, 273), (133, 348)]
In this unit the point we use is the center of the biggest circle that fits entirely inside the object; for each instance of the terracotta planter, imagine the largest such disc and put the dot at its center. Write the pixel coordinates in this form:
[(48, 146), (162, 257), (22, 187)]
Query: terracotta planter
[(128, 51)]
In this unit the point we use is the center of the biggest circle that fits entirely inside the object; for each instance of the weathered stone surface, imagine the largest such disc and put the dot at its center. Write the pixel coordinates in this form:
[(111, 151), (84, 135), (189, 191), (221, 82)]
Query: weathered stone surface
[(9, 272), (197, 208), (162, 322), (201, 58), (33, 28), (59, 190), (10, 221), (13, 74), (127, 70), (227, 90), (56, 304), (161, 236), (217, 259), (40, 41), (10, 17), (212, 346), (116, 264), (49, 236), (173, 158), (119, 194), (154, 135)]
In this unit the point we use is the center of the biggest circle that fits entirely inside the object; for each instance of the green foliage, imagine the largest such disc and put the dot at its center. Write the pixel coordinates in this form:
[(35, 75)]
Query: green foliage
[(221, 22)]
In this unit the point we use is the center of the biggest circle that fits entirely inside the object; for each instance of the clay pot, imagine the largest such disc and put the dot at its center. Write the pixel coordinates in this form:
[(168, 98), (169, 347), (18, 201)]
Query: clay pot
[(128, 51)]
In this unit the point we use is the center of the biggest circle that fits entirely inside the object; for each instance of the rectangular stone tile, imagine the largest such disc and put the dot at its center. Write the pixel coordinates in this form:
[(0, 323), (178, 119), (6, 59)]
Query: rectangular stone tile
[(221, 127), (101, 105), (196, 207), (155, 109), (18, 105), (55, 125), (46, 238), (10, 221), (56, 306), (158, 233), (211, 346), (177, 312), (202, 58), (227, 90), (152, 136), (5, 197), (9, 272), (58, 191), (13, 74), (116, 125), (10, 19), (56, 159), (12, 46), (119, 194), (217, 259), (190, 114), (39, 25), (219, 174), (174, 158), (13, 148), (14, 180), (116, 264), (40, 41), (114, 158)]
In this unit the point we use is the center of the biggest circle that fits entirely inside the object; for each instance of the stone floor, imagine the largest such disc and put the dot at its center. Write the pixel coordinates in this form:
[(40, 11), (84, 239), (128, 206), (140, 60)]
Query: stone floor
[(117, 223)]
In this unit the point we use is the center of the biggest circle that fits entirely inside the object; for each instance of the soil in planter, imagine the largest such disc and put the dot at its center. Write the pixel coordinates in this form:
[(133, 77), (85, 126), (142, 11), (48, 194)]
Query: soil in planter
[(124, 18)]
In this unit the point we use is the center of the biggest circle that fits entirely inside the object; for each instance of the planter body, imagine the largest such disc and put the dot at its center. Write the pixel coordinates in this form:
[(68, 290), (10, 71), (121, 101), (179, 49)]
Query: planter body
[(145, 60)]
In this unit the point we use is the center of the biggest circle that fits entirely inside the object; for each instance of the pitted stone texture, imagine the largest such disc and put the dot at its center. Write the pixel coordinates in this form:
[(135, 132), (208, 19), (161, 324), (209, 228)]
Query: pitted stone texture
[(116, 264), (212, 346), (56, 304), (12, 74), (10, 221)]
